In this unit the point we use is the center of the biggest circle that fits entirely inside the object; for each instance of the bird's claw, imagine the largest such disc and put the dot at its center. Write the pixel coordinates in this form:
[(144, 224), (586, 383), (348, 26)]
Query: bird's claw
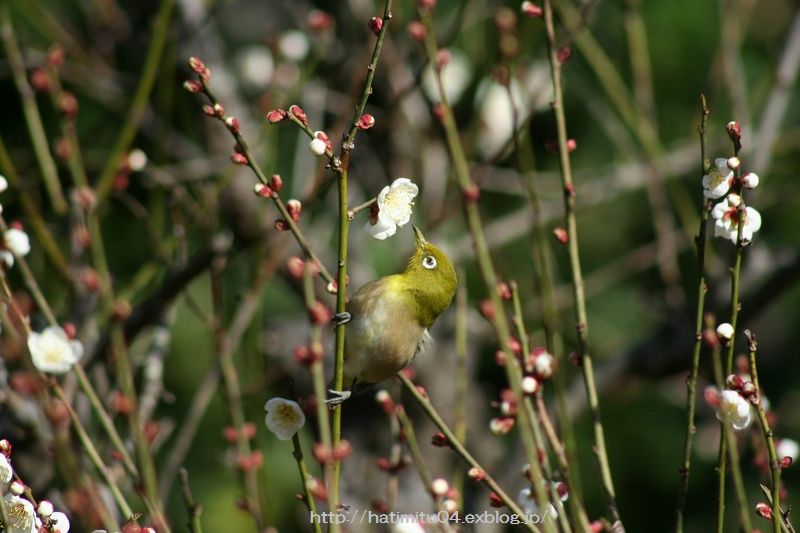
[(337, 397), (342, 318)]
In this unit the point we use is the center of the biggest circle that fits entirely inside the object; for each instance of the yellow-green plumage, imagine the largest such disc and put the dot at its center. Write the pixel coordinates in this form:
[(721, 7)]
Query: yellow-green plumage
[(391, 315)]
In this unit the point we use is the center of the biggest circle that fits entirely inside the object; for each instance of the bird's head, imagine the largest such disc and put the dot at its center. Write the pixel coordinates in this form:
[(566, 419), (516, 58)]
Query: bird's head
[(430, 278)]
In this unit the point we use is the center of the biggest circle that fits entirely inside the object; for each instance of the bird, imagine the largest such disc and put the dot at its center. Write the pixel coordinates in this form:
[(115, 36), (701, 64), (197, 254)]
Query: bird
[(388, 319)]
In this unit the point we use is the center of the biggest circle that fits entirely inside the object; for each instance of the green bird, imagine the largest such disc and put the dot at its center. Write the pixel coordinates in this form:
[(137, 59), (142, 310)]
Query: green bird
[(389, 318)]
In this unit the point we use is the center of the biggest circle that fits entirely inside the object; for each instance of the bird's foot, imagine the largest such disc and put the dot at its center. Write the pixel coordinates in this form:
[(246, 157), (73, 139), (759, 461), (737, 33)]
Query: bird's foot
[(337, 397), (341, 318)]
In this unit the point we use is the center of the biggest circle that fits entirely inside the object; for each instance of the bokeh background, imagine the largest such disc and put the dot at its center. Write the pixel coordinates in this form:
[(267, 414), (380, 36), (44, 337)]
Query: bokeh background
[(638, 189)]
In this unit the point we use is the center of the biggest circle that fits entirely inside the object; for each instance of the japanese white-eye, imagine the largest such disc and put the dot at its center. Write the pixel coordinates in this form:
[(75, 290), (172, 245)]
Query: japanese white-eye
[(390, 317)]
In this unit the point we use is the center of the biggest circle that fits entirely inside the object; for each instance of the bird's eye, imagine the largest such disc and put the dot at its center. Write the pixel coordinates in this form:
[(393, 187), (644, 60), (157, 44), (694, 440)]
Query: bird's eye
[(429, 262)]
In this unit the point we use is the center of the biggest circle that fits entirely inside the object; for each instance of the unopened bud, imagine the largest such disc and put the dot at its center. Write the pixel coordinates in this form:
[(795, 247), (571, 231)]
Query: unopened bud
[(5, 447), (366, 121), (487, 309), (40, 80), (276, 115), (750, 180), (734, 163), (299, 114), (529, 385), (233, 125), (503, 290), (439, 487), (725, 331), (239, 159), (296, 266), (501, 425), (785, 462), (561, 235), (734, 130), (471, 193), (319, 20), (476, 474), (495, 500), (764, 510), (342, 450), (564, 53), (262, 190), (442, 58), (294, 207), (193, 86), (45, 509), (734, 382), (55, 56), (417, 31), (439, 440), (280, 225), (68, 105), (529, 9), (17, 488), (319, 314), (375, 24), (426, 4), (317, 147)]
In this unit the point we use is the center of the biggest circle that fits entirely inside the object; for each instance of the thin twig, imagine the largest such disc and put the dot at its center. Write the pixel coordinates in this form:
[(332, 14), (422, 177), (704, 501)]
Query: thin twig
[(774, 464), (702, 289), (297, 453), (193, 510), (344, 231), (575, 267)]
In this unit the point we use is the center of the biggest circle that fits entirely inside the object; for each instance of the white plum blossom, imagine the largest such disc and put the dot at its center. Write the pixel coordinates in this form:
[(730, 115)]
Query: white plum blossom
[(394, 208), (6, 472), (788, 448), (284, 417), (734, 409), (21, 516), (17, 242), (718, 181), (60, 522), (726, 220), (52, 350), (137, 160), (3, 183)]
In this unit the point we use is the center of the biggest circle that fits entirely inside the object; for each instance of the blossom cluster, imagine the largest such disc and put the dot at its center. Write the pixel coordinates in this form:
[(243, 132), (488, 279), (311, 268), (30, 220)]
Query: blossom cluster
[(24, 514), (722, 181)]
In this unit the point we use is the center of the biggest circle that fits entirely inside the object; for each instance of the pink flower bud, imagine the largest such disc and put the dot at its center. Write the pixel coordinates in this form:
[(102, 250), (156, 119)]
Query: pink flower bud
[(280, 225), (426, 4), (764, 510), (342, 450), (296, 267), (5, 447), (319, 20), (442, 58), (262, 190), (276, 115), (785, 462), (233, 125), (40, 80), (375, 24), (734, 382), (503, 290), (495, 500), (417, 31), (711, 395), (572, 144), (321, 453), (55, 56), (529, 9), (219, 111), (487, 309), (366, 121), (197, 65), (208, 110), (564, 53), (439, 440), (276, 182), (500, 358), (750, 180), (501, 425), (68, 105), (384, 399), (734, 130), (17, 488), (471, 193), (561, 235), (193, 86), (294, 207), (299, 114), (476, 474), (239, 159), (319, 314), (514, 345)]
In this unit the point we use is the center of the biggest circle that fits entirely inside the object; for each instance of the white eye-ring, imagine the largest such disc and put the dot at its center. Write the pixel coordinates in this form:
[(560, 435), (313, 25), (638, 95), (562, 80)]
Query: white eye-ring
[(429, 262)]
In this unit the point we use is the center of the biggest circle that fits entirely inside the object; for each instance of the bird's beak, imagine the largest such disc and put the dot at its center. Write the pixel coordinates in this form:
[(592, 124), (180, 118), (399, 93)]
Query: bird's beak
[(420, 238)]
